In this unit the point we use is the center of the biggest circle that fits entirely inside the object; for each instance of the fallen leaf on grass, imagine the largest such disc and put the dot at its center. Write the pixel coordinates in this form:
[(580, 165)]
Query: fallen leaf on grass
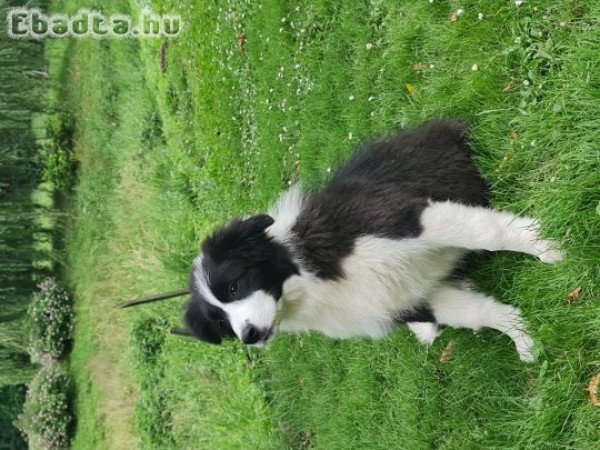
[(508, 88), (418, 67), (411, 89), (447, 353), (574, 295), (593, 390), (513, 136)]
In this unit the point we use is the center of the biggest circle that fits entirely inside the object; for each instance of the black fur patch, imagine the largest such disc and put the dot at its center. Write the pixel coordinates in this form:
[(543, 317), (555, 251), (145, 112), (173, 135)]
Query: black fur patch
[(383, 190), (418, 314)]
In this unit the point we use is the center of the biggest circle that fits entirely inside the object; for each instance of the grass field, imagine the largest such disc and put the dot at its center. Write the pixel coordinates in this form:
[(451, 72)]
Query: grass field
[(256, 95)]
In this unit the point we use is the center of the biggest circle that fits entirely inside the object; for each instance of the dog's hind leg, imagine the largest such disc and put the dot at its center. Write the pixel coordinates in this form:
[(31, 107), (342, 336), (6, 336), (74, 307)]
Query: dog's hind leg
[(462, 308), (449, 224)]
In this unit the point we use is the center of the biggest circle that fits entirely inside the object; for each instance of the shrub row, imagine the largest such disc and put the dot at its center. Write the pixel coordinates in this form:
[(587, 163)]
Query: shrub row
[(46, 419)]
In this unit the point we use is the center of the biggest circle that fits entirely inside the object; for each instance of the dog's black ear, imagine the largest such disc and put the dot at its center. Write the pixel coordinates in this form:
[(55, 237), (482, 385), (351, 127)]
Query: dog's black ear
[(259, 223), (239, 237)]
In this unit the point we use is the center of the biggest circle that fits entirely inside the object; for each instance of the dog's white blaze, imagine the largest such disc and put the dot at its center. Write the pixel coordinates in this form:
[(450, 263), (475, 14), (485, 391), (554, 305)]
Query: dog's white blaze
[(258, 309)]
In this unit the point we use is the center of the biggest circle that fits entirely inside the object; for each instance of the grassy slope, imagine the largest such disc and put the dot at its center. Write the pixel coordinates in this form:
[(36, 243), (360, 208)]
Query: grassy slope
[(221, 133)]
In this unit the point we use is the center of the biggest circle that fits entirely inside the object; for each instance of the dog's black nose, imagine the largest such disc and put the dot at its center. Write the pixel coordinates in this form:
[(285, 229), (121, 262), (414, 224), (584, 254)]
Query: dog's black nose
[(250, 335)]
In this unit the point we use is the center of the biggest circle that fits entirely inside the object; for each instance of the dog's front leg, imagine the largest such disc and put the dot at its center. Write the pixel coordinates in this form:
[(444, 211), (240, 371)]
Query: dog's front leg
[(449, 224)]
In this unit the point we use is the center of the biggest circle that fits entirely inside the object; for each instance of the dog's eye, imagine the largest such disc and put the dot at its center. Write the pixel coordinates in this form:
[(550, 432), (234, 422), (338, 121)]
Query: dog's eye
[(234, 287)]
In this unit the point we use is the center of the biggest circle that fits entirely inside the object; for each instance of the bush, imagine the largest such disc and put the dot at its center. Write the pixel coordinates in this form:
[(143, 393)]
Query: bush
[(52, 325), (59, 163), (46, 418), (147, 337)]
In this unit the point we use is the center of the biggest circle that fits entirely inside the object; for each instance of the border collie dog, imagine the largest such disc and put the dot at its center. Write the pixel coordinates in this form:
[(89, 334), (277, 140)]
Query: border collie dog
[(372, 250)]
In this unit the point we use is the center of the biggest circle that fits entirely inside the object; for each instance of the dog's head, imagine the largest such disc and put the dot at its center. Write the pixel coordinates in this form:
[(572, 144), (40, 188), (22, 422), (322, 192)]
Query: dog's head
[(236, 283)]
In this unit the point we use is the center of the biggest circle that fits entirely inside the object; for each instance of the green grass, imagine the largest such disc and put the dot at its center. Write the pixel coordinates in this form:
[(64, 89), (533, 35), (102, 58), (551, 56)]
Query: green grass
[(166, 156)]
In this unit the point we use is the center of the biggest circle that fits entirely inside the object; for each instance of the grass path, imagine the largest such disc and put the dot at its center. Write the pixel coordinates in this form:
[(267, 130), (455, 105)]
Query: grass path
[(258, 95)]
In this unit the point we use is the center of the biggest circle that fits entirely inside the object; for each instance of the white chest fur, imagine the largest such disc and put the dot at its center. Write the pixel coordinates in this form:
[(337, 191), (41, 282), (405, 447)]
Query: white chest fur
[(382, 277)]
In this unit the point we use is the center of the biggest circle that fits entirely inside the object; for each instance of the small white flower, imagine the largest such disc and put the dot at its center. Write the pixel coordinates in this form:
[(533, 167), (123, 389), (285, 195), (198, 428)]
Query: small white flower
[(459, 12), (371, 98), (283, 20), (517, 40), (432, 66), (350, 135), (369, 46), (525, 82), (519, 2), (474, 67), (351, 98), (480, 16), (562, 24), (328, 170)]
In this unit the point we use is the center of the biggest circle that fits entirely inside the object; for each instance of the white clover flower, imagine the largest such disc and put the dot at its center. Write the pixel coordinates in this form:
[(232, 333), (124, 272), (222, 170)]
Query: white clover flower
[(369, 46), (480, 16)]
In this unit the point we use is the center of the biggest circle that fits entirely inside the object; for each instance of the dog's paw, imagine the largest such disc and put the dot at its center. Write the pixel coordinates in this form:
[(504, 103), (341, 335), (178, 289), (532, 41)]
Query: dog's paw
[(425, 332), (525, 348), (549, 251)]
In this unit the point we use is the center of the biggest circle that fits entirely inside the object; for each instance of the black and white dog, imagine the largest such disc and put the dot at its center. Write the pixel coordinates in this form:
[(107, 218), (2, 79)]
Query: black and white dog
[(374, 249)]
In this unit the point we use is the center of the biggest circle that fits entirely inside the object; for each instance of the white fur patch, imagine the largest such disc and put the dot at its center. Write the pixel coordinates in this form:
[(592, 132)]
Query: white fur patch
[(285, 212)]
